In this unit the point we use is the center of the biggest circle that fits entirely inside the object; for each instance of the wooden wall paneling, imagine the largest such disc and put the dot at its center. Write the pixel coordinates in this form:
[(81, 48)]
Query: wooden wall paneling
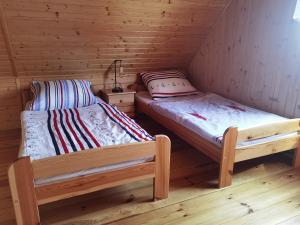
[(10, 103), (7, 48), (98, 21), (252, 55), (65, 39), (9, 98), (290, 102)]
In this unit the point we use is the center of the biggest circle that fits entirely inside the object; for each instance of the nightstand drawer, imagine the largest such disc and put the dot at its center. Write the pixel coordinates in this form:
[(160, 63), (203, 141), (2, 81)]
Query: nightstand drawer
[(124, 101), (126, 109), (119, 99), (130, 114)]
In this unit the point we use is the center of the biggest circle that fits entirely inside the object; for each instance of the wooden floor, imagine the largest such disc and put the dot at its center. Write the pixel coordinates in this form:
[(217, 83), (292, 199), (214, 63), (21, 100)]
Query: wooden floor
[(264, 191)]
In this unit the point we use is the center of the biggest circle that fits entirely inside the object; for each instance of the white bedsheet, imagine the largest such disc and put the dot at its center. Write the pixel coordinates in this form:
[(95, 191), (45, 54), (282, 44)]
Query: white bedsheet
[(209, 115)]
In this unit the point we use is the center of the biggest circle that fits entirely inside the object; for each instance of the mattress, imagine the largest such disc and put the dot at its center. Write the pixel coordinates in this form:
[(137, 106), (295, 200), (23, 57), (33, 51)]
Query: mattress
[(57, 132), (209, 115)]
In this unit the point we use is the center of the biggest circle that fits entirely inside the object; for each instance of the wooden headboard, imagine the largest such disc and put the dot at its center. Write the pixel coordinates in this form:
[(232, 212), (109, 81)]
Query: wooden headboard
[(28, 96)]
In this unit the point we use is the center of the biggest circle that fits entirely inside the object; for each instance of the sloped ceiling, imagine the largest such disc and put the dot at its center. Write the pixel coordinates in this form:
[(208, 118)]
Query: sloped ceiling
[(79, 39)]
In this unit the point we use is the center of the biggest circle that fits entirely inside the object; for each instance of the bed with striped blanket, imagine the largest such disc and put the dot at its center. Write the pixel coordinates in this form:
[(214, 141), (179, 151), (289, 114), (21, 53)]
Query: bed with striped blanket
[(67, 152), (56, 132)]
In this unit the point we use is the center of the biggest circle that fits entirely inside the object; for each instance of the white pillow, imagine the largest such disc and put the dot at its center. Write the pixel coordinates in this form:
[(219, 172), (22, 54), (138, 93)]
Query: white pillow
[(169, 83)]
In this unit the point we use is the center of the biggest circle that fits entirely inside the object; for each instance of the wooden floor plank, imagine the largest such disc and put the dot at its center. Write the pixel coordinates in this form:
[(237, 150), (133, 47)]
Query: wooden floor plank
[(273, 214), (258, 186), (291, 221), (215, 208), (136, 201)]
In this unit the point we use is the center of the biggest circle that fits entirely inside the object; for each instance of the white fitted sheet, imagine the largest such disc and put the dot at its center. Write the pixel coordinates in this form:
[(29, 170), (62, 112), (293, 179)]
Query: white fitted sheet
[(209, 115)]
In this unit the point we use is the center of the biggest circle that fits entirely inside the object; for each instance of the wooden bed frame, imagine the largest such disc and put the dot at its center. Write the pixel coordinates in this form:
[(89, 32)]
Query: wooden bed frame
[(27, 196), (230, 152)]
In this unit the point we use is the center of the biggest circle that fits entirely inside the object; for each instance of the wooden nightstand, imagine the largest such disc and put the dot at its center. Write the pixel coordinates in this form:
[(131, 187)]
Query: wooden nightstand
[(124, 100)]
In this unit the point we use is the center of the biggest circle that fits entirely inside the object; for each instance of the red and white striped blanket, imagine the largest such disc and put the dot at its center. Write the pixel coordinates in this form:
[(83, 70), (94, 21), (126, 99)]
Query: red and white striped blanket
[(57, 132)]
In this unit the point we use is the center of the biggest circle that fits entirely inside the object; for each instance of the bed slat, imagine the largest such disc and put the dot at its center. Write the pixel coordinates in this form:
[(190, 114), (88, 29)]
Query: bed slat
[(86, 184), (268, 148), (284, 127), (88, 159)]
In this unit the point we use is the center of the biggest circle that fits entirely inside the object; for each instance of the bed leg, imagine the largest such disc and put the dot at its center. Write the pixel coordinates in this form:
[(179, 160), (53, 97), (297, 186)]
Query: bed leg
[(296, 162), (227, 157), (21, 182), (162, 169)]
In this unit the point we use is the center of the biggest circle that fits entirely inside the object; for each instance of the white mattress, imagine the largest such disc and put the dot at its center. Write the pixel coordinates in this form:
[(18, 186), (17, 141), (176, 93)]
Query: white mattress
[(209, 115)]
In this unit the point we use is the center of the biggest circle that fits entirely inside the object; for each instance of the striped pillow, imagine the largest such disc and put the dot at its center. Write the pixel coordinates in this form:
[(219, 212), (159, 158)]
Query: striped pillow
[(61, 94), (170, 83)]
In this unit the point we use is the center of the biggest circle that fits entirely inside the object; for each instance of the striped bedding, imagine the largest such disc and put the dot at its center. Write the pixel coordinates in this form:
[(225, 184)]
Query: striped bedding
[(62, 131), (61, 94)]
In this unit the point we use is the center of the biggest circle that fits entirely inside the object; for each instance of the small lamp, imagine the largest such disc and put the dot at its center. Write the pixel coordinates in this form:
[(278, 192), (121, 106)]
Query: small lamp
[(116, 88)]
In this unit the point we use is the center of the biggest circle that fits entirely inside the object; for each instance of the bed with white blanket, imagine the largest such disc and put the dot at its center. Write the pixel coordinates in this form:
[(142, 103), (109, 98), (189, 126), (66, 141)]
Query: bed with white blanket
[(223, 129)]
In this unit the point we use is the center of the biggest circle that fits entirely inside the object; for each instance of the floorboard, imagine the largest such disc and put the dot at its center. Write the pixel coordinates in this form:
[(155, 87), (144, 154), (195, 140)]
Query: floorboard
[(264, 191)]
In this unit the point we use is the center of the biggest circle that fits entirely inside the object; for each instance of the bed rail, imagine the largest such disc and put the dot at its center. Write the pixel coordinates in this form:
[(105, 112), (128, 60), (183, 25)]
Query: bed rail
[(288, 139), (89, 159), (276, 128)]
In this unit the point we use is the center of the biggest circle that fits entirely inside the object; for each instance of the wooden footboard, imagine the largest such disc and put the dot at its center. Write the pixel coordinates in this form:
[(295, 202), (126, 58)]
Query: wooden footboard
[(287, 138), (27, 196), (280, 144)]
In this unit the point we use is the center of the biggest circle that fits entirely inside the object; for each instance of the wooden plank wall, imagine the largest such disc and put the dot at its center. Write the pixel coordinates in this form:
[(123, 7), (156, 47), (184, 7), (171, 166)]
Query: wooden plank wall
[(253, 55), (9, 97), (60, 39)]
